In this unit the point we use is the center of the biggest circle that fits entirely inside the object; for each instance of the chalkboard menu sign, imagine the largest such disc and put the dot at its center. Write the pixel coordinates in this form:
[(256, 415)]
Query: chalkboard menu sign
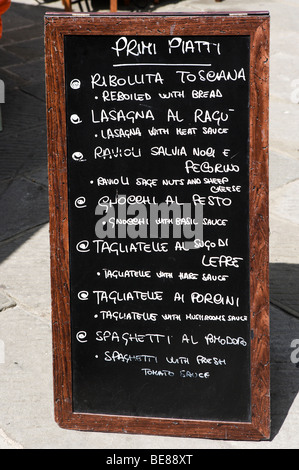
[(158, 186)]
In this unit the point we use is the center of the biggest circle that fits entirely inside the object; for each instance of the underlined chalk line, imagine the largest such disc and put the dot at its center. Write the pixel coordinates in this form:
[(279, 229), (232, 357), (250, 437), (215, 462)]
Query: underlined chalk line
[(162, 65)]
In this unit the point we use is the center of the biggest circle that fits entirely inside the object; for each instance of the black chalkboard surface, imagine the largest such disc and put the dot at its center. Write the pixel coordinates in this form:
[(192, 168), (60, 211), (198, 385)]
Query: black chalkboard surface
[(157, 166)]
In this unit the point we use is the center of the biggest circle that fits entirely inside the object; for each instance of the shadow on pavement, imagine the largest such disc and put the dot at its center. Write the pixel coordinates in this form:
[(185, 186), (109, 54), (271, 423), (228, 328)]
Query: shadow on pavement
[(284, 328), (23, 147)]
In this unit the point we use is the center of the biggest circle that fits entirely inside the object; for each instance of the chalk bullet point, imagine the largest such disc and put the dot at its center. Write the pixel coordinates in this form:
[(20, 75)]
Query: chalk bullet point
[(75, 84), (75, 119), (78, 157)]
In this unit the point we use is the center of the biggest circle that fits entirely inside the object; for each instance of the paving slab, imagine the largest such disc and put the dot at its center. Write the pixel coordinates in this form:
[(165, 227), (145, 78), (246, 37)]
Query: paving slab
[(7, 58), (23, 205), (29, 49), (22, 151), (25, 270), (24, 33), (21, 112), (6, 302), (36, 89), (285, 201), (283, 169), (13, 20)]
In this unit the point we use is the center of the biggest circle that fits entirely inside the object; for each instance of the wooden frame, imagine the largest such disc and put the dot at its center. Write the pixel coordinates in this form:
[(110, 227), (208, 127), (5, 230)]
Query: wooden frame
[(256, 25)]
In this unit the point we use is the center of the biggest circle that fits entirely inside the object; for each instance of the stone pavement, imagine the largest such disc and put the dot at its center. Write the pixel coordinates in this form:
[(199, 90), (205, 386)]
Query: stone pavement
[(26, 404)]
